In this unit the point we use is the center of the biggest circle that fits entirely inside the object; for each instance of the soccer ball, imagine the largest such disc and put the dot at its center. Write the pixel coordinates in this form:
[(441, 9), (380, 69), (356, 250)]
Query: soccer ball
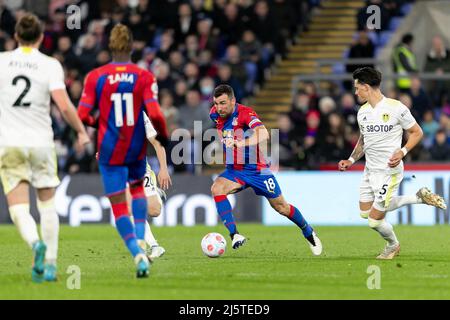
[(214, 245)]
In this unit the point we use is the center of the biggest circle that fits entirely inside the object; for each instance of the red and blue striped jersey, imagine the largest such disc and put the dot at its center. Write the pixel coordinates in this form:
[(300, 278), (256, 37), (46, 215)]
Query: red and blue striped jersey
[(239, 125), (121, 92)]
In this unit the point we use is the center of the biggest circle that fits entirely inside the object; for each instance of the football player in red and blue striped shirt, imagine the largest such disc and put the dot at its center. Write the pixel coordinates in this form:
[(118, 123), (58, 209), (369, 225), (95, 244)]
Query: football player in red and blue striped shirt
[(122, 92), (242, 132)]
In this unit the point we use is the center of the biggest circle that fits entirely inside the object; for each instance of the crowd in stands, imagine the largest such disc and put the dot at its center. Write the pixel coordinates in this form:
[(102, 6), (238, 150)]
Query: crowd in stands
[(191, 46)]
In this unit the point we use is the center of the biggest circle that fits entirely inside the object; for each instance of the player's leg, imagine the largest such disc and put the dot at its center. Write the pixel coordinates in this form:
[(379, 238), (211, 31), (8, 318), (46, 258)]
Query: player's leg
[(384, 186), (366, 196), (423, 195), (280, 205), (15, 173), (49, 230), (225, 184), (154, 206), (45, 179), (114, 182)]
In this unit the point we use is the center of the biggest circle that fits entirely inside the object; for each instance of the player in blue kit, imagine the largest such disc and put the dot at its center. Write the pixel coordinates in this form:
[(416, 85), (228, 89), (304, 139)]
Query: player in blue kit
[(123, 92), (242, 132)]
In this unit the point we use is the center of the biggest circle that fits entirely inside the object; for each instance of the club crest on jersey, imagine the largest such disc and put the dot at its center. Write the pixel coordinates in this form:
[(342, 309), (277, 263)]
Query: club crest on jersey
[(235, 122), (227, 133), (120, 77), (385, 117)]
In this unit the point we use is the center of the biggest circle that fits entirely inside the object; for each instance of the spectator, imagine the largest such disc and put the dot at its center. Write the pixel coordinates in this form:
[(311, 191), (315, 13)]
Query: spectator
[(349, 110), (166, 45), (361, 48), (79, 160), (252, 52), (438, 61), (285, 13), (176, 62), (286, 142), (163, 77), (326, 106), (245, 73), (206, 89), (298, 112), (429, 127), (440, 151), (171, 113), (191, 75), (198, 9), (70, 59), (265, 27), (420, 100), (191, 49), (232, 26), (180, 92), (312, 123), (205, 64), (185, 24), (225, 76), (207, 39), (88, 53), (333, 145), (404, 62)]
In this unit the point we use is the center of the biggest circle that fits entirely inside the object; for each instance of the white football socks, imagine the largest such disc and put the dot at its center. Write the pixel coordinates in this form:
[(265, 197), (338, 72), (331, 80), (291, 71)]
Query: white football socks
[(49, 228), (399, 201), (20, 215), (149, 237), (385, 229)]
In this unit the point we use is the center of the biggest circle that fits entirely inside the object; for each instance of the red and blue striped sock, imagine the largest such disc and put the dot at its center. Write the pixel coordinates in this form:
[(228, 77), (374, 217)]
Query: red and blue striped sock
[(296, 217), (225, 213), (139, 208), (125, 227)]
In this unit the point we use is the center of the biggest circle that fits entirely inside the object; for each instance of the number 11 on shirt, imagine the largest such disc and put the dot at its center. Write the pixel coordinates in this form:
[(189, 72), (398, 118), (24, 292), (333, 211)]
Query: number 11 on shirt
[(117, 99)]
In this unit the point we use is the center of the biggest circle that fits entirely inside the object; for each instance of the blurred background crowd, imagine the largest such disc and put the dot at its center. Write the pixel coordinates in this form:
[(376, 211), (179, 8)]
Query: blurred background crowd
[(192, 46)]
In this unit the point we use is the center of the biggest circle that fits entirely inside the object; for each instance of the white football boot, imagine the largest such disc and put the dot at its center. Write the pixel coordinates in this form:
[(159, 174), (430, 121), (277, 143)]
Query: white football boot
[(156, 252), (390, 252), (431, 198), (315, 244), (238, 241)]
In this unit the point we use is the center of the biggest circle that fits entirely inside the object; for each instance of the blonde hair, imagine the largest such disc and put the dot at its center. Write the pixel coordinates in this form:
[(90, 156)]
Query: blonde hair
[(121, 39)]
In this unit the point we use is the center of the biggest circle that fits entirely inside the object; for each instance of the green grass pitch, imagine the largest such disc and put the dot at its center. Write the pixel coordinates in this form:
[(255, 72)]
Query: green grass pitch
[(276, 263)]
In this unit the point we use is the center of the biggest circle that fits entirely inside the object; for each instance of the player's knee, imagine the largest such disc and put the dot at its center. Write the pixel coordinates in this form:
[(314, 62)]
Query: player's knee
[(374, 223), (217, 189), (154, 209)]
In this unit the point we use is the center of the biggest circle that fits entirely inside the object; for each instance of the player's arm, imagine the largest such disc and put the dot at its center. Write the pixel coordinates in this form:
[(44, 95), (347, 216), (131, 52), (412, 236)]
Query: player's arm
[(153, 109), (415, 134), (88, 101), (259, 135), (163, 175), (58, 91), (357, 154)]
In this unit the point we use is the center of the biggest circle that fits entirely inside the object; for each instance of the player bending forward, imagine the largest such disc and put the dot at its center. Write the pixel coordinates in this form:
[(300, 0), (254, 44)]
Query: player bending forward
[(155, 195), (122, 92), (27, 151), (246, 167), (382, 121)]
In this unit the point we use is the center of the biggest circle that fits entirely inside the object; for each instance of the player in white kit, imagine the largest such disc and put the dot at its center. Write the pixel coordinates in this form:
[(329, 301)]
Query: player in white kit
[(382, 121), (154, 194), (27, 153)]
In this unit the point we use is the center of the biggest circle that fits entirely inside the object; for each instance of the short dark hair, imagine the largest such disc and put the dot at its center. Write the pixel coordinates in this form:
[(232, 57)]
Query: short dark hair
[(407, 38), (28, 29), (223, 89), (368, 75)]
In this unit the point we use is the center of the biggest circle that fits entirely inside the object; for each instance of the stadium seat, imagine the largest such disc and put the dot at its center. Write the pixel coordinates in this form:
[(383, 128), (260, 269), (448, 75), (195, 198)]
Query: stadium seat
[(384, 38), (395, 23), (406, 8)]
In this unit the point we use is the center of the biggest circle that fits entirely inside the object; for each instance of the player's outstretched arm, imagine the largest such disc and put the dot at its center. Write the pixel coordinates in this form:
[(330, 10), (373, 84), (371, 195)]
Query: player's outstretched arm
[(163, 176), (357, 154), (415, 134), (260, 135), (69, 113)]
